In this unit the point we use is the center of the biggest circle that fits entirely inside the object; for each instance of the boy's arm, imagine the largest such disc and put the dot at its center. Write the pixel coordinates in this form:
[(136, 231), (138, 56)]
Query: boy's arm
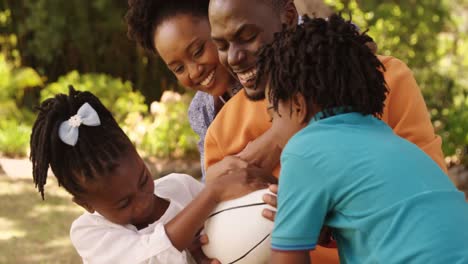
[(296, 257), (303, 203), (407, 113)]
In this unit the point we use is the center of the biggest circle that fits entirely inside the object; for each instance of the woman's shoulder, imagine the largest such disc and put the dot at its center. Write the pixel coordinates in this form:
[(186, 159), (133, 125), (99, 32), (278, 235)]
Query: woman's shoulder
[(201, 112), (201, 100)]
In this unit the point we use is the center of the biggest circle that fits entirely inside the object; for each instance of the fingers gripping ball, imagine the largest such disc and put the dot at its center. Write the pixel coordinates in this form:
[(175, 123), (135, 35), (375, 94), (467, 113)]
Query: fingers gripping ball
[(237, 231)]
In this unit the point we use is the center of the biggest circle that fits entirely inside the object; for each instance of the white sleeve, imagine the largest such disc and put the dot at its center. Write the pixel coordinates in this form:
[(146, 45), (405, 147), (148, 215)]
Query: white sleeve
[(193, 186), (102, 244)]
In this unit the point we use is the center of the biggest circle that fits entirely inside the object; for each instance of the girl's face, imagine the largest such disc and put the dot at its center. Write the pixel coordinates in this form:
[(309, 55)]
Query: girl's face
[(185, 45), (126, 195)]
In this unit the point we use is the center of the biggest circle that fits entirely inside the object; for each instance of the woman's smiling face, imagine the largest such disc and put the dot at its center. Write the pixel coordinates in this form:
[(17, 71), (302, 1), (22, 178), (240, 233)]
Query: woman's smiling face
[(184, 43)]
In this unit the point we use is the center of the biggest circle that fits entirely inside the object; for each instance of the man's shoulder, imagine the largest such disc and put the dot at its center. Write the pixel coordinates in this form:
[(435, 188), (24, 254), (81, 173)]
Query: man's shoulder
[(239, 110), (393, 66), (238, 101)]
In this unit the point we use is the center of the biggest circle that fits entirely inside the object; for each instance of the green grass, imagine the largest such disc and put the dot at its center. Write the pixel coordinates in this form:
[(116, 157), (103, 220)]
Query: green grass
[(32, 230)]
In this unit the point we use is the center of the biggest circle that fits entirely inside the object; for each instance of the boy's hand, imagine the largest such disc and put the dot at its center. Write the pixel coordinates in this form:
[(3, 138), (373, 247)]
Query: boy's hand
[(326, 238), (224, 166), (271, 200), (239, 182), (197, 253), (459, 176)]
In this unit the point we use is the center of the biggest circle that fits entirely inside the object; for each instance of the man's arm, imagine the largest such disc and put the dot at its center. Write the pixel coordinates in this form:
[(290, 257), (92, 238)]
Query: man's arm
[(289, 257), (406, 112), (212, 152)]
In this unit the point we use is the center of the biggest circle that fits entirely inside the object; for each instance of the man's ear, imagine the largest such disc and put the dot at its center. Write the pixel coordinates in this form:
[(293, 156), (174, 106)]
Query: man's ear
[(300, 107), (289, 14), (83, 204)]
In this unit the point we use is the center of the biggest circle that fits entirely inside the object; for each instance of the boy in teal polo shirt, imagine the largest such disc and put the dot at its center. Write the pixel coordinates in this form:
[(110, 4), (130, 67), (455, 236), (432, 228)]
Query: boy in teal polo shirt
[(385, 200)]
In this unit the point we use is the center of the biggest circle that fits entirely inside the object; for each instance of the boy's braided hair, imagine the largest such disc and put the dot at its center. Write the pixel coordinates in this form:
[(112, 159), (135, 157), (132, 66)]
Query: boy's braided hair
[(327, 62)]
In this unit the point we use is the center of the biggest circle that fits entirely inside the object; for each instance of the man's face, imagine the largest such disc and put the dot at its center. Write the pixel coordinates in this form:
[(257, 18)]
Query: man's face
[(239, 29)]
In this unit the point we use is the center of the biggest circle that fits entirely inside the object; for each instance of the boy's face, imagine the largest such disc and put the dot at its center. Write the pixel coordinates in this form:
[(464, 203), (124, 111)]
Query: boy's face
[(289, 118), (124, 196), (239, 28)]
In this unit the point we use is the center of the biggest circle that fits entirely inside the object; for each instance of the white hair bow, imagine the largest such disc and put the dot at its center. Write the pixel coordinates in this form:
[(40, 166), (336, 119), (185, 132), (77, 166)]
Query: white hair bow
[(68, 130)]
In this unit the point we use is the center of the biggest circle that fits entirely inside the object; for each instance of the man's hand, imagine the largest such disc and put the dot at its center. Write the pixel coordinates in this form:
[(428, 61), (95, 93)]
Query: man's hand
[(197, 253), (262, 152), (239, 182), (224, 166)]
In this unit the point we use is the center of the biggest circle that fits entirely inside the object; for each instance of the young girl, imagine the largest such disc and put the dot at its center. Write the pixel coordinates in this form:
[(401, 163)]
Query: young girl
[(384, 198), (179, 32), (130, 218)]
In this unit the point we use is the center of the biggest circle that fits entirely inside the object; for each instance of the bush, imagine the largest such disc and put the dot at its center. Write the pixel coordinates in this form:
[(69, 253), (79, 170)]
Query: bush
[(15, 121), (14, 138), (432, 38), (114, 93), (166, 132)]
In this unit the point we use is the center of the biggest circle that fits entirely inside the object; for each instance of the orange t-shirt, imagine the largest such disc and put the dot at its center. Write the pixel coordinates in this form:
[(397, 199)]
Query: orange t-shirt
[(241, 121)]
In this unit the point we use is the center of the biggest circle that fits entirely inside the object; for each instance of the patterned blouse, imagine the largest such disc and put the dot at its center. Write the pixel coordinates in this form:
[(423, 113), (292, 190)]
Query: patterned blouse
[(201, 113)]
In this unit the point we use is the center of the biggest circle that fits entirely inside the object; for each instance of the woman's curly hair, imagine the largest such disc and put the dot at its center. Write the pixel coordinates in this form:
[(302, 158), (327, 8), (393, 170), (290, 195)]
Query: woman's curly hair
[(144, 16)]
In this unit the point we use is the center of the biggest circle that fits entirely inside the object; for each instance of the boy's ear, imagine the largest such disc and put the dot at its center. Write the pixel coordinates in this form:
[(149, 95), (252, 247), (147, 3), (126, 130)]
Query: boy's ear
[(83, 204), (289, 14), (300, 107)]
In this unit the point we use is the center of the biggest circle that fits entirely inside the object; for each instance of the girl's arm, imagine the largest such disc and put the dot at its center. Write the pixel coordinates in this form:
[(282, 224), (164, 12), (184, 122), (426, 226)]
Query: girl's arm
[(182, 229), (98, 241)]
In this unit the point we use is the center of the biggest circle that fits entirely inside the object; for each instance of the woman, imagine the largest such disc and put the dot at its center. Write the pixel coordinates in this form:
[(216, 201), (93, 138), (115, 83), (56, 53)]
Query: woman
[(179, 32)]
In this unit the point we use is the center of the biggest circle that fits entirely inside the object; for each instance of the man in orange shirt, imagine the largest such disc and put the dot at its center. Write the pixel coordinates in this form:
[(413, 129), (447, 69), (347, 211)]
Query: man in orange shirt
[(239, 135)]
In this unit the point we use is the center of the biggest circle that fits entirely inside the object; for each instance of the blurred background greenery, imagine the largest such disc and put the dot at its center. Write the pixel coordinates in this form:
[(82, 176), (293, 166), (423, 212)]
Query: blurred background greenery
[(47, 44)]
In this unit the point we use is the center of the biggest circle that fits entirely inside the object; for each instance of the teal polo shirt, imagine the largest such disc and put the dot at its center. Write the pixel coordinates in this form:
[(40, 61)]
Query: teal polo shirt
[(385, 199)]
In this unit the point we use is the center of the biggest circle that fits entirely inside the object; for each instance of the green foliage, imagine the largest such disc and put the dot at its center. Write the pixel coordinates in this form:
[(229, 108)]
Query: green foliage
[(56, 37), (432, 38), (14, 137), (166, 132), (14, 120), (114, 93)]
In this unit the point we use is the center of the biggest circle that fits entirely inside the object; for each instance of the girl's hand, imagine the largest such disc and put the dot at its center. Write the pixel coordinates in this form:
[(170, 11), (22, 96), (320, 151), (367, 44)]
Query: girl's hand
[(197, 253), (239, 182), (272, 201)]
